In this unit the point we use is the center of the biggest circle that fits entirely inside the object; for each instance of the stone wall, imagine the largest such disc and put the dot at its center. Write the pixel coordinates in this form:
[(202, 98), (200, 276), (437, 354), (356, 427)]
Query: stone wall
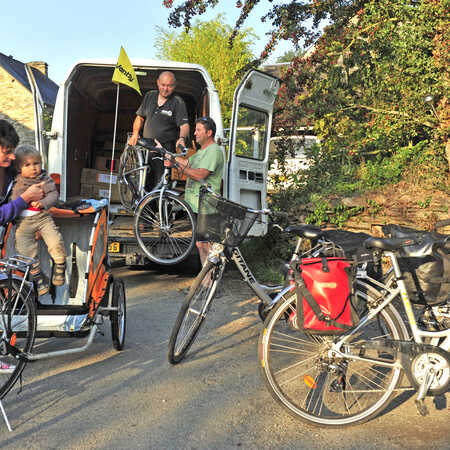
[(16, 106)]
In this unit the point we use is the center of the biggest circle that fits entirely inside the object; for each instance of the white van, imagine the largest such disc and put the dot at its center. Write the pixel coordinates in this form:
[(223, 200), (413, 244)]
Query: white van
[(83, 127)]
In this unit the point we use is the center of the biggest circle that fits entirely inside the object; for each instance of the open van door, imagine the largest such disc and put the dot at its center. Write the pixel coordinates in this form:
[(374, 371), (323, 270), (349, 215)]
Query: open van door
[(38, 116), (251, 123)]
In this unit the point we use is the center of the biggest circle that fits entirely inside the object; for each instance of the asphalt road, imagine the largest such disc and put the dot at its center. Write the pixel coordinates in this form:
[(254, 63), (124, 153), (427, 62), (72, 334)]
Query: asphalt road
[(215, 399)]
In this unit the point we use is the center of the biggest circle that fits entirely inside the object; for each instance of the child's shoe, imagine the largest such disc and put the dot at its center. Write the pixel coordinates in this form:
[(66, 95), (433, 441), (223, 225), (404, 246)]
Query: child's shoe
[(59, 274), (41, 284)]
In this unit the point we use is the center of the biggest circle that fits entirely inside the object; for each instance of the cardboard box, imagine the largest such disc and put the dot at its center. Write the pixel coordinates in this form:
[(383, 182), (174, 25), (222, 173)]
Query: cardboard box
[(95, 184), (94, 176), (98, 192), (104, 163)]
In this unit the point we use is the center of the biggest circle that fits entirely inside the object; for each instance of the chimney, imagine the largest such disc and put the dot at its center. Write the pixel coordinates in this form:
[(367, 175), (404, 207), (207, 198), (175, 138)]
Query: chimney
[(41, 66)]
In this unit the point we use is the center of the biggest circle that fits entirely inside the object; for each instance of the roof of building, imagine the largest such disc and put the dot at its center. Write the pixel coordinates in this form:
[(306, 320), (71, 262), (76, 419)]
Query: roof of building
[(16, 69)]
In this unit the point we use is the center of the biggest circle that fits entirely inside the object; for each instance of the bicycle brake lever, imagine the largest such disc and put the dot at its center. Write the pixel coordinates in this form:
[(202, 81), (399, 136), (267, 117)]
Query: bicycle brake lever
[(183, 150)]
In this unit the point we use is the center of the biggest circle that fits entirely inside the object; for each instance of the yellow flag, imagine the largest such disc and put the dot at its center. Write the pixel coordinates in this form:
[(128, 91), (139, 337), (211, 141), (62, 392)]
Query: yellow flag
[(124, 72)]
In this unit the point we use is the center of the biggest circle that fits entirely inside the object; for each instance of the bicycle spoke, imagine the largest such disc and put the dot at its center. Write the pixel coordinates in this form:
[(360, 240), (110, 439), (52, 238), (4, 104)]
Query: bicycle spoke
[(192, 313), (304, 375), (17, 327), (307, 370), (165, 228)]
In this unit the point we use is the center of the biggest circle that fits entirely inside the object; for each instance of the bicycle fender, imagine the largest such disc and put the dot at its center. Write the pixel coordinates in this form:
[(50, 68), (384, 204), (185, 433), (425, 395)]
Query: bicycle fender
[(157, 192), (18, 278), (177, 193)]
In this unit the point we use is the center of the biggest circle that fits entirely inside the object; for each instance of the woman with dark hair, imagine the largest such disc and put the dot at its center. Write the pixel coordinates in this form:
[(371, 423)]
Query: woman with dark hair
[(10, 210)]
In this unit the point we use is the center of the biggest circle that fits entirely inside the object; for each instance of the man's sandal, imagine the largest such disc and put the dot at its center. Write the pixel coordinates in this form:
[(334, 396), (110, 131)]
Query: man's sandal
[(59, 275)]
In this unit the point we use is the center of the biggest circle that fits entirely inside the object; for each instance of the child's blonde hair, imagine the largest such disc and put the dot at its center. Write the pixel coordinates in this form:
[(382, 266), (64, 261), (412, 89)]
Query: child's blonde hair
[(25, 151)]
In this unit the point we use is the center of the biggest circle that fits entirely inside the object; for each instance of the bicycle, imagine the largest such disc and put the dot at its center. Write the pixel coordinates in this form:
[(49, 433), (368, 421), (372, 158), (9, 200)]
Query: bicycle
[(17, 319), (350, 378), (227, 229), (164, 223), (225, 224)]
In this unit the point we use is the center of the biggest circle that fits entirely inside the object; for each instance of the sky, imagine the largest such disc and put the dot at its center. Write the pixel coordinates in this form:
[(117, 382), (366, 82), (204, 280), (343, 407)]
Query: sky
[(63, 32)]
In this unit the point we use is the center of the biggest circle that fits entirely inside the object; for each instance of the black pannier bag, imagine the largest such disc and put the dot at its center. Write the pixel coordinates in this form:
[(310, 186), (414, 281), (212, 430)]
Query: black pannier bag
[(426, 273), (324, 296), (350, 245)]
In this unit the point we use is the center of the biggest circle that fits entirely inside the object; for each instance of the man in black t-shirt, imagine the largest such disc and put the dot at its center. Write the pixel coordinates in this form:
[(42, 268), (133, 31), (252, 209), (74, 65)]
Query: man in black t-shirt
[(163, 116)]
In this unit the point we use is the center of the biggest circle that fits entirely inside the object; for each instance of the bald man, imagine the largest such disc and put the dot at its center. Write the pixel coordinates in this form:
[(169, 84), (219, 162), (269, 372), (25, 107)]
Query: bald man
[(162, 116)]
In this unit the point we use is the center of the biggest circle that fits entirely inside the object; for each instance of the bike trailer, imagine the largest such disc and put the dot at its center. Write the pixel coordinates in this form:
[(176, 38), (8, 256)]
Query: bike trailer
[(67, 309)]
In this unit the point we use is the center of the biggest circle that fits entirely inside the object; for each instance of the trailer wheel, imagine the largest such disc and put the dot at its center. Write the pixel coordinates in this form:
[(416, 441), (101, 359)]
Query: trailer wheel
[(119, 315)]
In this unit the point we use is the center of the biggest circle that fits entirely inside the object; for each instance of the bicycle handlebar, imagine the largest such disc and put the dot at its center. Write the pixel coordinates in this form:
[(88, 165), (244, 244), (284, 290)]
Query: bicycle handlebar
[(149, 145)]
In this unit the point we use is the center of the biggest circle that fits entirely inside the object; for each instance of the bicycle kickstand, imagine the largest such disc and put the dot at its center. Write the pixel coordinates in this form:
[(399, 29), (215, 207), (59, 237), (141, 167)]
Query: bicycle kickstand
[(5, 417), (426, 383)]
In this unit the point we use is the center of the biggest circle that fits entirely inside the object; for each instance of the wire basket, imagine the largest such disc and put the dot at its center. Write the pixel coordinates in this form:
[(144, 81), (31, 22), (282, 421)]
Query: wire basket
[(220, 220)]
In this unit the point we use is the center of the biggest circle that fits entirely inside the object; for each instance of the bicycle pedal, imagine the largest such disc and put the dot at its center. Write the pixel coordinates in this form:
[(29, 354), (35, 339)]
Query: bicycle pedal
[(421, 407)]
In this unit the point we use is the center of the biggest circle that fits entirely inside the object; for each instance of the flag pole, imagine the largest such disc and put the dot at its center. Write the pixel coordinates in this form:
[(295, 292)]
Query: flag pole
[(112, 156)]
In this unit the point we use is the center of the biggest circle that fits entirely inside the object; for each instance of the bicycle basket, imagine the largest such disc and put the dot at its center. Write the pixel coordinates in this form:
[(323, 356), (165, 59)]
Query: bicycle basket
[(223, 221)]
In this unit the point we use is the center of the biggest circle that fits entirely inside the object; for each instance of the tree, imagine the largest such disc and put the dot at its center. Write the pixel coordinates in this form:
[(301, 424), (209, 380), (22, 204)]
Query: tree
[(299, 21), (363, 87), (206, 43), (290, 55)]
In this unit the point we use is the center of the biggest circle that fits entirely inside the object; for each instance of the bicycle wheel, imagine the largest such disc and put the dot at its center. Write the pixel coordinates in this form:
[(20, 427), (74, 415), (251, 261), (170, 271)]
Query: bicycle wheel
[(17, 330), (118, 317), (193, 311), (130, 177), (165, 230), (320, 387)]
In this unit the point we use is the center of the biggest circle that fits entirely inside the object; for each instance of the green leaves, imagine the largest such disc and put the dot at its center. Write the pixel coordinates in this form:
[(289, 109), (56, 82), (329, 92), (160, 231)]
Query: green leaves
[(206, 43), (363, 86)]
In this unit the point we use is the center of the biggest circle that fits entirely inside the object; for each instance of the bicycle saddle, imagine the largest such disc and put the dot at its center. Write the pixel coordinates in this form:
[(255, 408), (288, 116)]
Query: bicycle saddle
[(307, 231), (410, 246)]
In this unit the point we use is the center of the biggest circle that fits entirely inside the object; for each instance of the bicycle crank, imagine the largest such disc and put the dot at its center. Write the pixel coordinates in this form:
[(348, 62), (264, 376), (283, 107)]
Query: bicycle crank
[(426, 366), (430, 372)]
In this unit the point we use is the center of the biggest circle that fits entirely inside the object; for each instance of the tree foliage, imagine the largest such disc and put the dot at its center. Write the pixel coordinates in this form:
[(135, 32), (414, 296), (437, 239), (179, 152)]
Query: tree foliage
[(290, 55), (299, 21), (363, 86), (206, 44)]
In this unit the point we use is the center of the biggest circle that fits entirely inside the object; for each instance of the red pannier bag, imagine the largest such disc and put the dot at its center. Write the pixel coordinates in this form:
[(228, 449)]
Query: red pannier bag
[(324, 294)]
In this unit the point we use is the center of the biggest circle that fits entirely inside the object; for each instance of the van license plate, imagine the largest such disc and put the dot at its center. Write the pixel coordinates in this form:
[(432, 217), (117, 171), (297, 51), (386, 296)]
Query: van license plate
[(114, 247)]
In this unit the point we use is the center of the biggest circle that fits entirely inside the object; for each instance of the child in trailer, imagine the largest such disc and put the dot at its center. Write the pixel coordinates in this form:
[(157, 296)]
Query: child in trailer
[(37, 219)]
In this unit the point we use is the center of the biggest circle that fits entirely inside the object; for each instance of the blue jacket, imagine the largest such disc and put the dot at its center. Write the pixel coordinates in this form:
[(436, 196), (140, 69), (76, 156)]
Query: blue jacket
[(10, 210)]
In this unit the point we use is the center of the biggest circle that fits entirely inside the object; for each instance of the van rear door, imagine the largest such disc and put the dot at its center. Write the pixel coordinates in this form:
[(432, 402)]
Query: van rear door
[(38, 116), (251, 123)]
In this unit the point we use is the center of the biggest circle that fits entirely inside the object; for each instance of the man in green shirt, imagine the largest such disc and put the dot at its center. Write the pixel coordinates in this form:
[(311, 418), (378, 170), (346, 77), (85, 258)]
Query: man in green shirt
[(206, 164)]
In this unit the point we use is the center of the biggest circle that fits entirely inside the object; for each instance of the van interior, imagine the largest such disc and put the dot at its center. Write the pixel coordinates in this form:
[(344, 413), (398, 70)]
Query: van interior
[(91, 111)]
